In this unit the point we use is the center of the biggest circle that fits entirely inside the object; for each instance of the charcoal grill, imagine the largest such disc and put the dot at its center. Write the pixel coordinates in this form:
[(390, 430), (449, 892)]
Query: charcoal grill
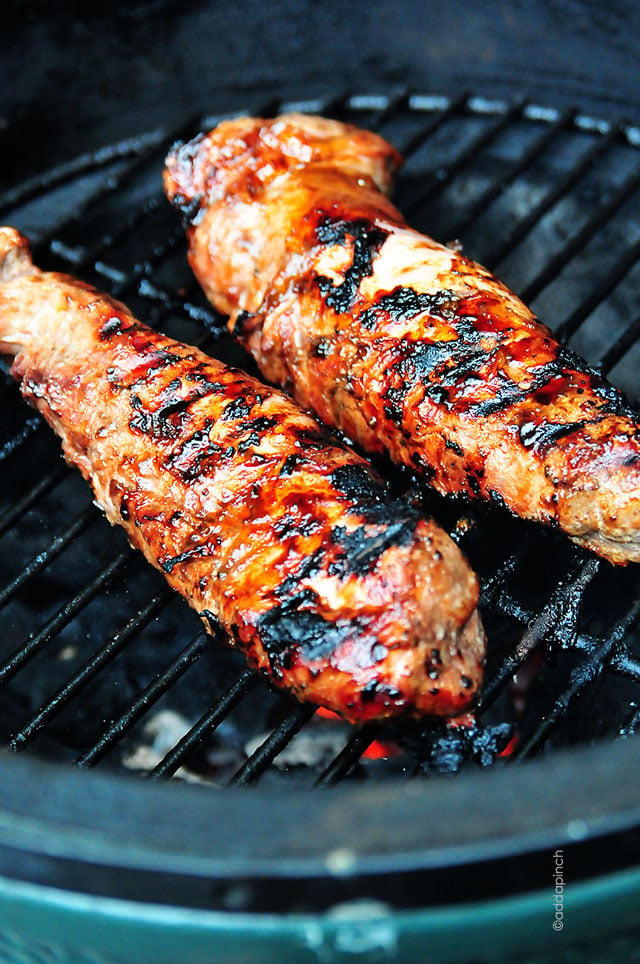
[(351, 840)]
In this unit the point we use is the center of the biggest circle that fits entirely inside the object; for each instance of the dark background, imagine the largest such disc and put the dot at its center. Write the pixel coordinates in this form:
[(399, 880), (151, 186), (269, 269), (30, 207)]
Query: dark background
[(79, 75)]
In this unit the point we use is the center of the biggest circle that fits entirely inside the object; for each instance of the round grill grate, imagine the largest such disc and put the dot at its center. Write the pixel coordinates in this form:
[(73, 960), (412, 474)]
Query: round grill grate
[(101, 664)]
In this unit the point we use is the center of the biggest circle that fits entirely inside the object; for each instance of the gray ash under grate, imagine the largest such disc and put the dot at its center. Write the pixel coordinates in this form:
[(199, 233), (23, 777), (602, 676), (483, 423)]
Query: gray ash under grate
[(101, 664)]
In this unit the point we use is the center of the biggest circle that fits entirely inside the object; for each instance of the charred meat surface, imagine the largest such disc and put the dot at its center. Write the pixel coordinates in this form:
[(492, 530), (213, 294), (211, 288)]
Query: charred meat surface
[(405, 345), (252, 512)]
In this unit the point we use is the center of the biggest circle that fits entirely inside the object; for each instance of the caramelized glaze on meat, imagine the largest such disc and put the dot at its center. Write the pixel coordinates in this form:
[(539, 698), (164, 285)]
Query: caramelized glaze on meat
[(405, 345), (250, 510)]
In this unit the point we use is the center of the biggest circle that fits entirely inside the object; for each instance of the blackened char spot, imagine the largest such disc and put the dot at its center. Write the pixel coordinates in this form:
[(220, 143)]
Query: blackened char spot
[(291, 526), (361, 548), (306, 633), (403, 304), (474, 485), (142, 420), (165, 421), (198, 552), (539, 438), (438, 365), (310, 566), (393, 404), (180, 163), (367, 241), (453, 445), (614, 401), (568, 360), (426, 470), (506, 396), (262, 423), (188, 461), (289, 631), (211, 621), (243, 323), (370, 495), (256, 428), (290, 464), (114, 325), (237, 408), (187, 207), (356, 482), (497, 498)]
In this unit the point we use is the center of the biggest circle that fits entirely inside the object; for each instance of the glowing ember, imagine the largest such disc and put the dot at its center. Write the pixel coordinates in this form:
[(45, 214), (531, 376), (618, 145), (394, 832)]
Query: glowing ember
[(328, 714), (510, 747), (377, 750)]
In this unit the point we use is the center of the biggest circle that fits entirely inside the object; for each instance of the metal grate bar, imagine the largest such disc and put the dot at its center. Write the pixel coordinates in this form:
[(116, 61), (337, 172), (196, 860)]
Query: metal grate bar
[(452, 109), (78, 167), (349, 755), (60, 619), (87, 255), (630, 725), (562, 187), (39, 562), (494, 584), (114, 184), (145, 699), (30, 428), (625, 665), (388, 107), (533, 152), (86, 673), (582, 237), (45, 484), (214, 322), (580, 678), (436, 181), (620, 347), (258, 762), (622, 267), (561, 601), (206, 724)]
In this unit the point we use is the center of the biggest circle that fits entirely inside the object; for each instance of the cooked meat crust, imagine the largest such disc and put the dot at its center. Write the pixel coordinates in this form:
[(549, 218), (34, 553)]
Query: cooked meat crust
[(405, 345), (250, 510)]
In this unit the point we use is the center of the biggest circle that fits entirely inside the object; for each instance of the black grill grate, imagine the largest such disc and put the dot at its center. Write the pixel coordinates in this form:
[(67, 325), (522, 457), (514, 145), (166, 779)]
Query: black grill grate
[(100, 663)]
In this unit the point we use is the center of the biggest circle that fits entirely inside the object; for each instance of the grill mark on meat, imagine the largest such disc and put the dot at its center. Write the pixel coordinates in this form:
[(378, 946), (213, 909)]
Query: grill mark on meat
[(114, 325), (237, 408), (539, 438), (361, 549), (188, 461), (166, 421), (290, 632), (291, 463), (405, 303), (367, 240), (147, 361), (197, 552)]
